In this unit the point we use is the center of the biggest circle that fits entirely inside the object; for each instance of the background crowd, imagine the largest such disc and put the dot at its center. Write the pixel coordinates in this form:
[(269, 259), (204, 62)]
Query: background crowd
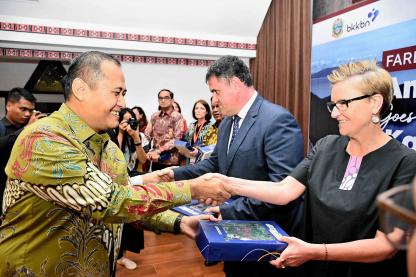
[(76, 168)]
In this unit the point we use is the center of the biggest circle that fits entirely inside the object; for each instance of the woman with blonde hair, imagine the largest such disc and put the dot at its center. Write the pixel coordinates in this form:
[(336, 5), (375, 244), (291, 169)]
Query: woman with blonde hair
[(340, 179)]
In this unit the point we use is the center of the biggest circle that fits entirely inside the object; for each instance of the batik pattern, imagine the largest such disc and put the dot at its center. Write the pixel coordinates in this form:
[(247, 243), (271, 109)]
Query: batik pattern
[(67, 190), (163, 129)]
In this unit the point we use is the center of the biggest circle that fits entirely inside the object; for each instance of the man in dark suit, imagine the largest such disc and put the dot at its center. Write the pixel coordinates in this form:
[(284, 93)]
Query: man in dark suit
[(20, 111), (263, 143)]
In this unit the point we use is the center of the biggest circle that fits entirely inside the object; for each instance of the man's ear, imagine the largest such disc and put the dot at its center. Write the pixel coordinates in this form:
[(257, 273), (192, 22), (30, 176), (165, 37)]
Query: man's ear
[(8, 105), (235, 83), (79, 89)]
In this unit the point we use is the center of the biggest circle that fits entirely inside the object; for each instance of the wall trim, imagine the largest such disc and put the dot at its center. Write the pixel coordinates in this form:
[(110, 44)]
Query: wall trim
[(19, 53), (98, 34)]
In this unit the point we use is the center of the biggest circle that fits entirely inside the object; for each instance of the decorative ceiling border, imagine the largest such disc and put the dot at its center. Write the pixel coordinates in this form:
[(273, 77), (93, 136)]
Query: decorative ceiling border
[(68, 56), (86, 33)]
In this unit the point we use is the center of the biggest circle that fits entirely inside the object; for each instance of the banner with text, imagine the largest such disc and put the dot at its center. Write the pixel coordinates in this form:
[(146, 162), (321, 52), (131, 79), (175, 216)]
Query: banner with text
[(382, 30)]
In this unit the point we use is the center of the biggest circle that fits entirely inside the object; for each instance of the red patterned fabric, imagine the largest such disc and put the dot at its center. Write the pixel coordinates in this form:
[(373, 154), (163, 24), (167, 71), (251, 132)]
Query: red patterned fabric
[(164, 128)]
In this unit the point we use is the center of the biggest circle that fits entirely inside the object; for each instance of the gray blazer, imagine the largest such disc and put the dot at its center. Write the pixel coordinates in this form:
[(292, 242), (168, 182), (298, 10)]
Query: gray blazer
[(268, 145)]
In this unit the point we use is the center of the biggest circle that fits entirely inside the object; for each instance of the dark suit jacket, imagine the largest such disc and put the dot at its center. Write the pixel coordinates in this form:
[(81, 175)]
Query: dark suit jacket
[(268, 146), (8, 136)]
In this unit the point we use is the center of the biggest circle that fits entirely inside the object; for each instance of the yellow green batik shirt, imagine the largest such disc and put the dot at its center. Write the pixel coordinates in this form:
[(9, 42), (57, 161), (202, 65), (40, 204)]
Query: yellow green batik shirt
[(67, 189)]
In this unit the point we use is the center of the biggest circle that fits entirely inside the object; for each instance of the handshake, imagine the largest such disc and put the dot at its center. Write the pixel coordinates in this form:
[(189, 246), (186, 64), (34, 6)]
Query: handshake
[(211, 188)]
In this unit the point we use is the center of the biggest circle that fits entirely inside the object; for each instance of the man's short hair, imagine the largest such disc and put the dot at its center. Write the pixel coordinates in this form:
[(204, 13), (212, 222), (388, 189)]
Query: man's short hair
[(230, 66), (15, 94), (165, 89), (88, 68)]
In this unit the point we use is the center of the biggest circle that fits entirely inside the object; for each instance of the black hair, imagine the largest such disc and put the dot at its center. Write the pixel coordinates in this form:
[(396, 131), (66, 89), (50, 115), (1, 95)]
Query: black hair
[(208, 116), (142, 121), (179, 106), (86, 67), (230, 66), (15, 94), (126, 137), (165, 89)]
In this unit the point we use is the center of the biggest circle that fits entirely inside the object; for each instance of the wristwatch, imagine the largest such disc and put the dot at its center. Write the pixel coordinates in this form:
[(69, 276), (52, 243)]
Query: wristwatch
[(177, 224)]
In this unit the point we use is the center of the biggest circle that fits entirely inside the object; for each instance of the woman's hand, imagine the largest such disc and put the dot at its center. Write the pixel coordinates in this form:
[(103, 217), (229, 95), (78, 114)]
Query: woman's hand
[(296, 253), (122, 126), (194, 152), (134, 134)]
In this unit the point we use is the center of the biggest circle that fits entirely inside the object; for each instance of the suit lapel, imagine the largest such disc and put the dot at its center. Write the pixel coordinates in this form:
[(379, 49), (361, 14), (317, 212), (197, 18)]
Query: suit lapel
[(222, 143), (248, 122)]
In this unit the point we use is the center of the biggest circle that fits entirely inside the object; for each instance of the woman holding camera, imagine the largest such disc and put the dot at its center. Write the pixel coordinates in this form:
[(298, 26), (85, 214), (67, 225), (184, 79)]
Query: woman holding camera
[(129, 140)]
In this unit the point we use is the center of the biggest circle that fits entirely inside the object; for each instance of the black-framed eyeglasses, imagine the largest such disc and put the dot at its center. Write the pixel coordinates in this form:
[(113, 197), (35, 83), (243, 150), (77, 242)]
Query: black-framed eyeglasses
[(164, 98), (397, 215), (342, 105)]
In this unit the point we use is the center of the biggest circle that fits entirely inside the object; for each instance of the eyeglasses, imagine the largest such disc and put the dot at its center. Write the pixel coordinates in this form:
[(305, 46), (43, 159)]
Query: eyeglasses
[(342, 105), (397, 215), (164, 98)]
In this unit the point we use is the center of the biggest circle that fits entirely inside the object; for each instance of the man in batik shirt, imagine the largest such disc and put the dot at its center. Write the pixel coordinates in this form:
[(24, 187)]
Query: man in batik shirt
[(211, 136), (164, 128), (67, 188)]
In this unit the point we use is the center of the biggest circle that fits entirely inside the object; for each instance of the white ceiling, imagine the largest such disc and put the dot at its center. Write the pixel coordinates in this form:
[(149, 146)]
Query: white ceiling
[(190, 18)]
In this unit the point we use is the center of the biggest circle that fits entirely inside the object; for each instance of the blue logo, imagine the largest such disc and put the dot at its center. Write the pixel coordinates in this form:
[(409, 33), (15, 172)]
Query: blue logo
[(373, 15), (337, 27)]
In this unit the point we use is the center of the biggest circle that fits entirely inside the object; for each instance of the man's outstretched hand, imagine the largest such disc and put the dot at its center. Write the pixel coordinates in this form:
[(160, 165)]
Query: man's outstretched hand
[(159, 176), (210, 187)]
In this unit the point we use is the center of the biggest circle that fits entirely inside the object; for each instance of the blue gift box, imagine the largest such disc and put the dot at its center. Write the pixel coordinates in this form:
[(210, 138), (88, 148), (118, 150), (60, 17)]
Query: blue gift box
[(240, 240)]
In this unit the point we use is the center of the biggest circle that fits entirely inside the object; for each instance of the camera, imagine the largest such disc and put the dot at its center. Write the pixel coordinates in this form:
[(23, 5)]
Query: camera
[(133, 123)]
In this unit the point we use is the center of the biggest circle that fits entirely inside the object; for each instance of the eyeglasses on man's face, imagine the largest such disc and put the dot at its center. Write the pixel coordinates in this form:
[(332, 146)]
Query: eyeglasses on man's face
[(161, 98), (397, 215), (342, 105)]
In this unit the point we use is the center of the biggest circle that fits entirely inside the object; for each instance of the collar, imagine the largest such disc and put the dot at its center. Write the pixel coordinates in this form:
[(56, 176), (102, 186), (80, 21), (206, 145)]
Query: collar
[(244, 110), (7, 123), (79, 127), (168, 112)]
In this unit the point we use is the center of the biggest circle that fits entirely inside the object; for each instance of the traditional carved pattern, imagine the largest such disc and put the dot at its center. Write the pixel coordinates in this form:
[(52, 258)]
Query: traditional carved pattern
[(28, 28), (68, 56)]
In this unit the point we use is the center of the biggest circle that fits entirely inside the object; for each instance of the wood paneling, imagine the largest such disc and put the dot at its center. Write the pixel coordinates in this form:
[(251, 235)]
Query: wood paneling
[(281, 69)]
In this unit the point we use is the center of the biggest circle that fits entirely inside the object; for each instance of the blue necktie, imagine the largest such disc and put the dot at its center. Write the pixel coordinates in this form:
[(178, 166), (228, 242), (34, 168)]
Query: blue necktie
[(236, 119)]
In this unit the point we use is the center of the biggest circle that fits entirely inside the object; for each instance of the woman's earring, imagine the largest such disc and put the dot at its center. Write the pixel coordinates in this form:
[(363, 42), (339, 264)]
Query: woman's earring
[(375, 119)]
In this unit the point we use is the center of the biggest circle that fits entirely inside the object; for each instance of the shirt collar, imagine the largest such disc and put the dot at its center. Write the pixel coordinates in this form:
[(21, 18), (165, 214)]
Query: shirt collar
[(244, 110), (79, 127), (168, 112)]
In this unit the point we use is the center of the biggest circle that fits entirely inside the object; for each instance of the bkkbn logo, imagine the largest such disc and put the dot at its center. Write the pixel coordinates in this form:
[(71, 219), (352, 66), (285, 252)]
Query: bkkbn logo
[(338, 25), (363, 23)]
